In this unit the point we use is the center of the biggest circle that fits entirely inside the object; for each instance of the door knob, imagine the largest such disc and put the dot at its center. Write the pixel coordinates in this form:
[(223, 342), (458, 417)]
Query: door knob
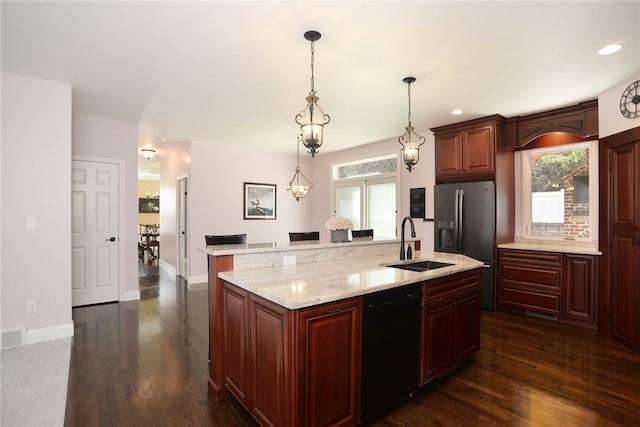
[(111, 239)]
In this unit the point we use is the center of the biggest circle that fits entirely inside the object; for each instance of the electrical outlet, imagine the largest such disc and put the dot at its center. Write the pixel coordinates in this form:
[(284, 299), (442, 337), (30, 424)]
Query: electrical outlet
[(289, 260), (32, 306), (32, 224)]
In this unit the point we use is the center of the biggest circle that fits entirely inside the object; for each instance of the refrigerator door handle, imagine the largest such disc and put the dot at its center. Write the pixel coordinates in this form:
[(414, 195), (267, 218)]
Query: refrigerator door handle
[(456, 222), (460, 209)]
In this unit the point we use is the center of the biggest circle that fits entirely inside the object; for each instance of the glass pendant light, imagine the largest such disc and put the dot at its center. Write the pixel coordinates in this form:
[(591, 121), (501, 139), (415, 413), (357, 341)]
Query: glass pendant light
[(299, 189), (312, 119), (410, 149)]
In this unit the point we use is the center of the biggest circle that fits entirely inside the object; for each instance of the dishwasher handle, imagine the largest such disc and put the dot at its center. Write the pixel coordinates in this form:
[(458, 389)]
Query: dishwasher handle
[(407, 297)]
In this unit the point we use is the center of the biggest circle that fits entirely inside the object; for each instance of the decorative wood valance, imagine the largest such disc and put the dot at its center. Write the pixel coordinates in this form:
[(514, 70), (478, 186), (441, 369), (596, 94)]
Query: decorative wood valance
[(575, 123)]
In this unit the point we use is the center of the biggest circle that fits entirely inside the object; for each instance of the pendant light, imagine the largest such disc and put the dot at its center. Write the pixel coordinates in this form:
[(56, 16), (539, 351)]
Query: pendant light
[(312, 119), (298, 189), (410, 149)]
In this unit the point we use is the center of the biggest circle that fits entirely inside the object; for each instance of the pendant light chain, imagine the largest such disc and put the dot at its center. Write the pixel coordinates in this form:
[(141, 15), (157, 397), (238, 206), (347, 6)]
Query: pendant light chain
[(409, 96), (313, 91)]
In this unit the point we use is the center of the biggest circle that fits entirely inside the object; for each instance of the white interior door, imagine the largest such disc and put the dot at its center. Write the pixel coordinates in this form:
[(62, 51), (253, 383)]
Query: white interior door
[(183, 258), (94, 229)]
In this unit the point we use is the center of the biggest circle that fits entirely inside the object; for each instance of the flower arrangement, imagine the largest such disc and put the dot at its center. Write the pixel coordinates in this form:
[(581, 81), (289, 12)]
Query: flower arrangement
[(339, 223)]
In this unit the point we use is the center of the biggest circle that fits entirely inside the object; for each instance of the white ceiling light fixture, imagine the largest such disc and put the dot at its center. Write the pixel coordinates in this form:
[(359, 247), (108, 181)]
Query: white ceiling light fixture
[(456, 112), (148, 153), (311, 121), (298, 189), (608, 50), (410, 149)]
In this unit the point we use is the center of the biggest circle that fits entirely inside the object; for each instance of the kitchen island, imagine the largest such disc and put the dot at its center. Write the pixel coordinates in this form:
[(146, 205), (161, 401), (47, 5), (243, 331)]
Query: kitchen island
[(286, 339)]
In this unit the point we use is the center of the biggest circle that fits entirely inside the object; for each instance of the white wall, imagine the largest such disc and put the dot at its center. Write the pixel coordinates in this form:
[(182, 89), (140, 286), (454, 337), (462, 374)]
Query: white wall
[(100, 138), (36, 164), (610, 119), (218, 172)]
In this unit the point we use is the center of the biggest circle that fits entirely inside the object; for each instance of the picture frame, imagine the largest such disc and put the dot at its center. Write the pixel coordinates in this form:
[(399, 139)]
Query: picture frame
[(149, 205), (259, 200)]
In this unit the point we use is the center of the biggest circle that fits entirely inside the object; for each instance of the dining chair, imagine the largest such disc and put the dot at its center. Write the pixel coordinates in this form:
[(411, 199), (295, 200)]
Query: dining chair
[(228, 239), (307, 235), (362, 234)]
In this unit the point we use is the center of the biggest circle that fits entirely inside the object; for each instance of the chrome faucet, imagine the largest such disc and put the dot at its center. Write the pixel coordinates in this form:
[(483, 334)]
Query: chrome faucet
[(413, 234)]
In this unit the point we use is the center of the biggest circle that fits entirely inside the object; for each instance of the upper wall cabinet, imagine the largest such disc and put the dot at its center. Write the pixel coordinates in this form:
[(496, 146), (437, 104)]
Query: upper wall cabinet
[(579, 121), (467, 151)]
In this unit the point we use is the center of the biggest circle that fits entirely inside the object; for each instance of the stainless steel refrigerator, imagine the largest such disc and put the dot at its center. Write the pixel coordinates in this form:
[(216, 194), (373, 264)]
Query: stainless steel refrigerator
[(465, 223)]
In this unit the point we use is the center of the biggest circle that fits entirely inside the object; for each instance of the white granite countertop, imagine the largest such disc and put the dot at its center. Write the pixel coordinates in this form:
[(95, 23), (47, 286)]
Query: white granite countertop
[(304, 285), (567, 249)]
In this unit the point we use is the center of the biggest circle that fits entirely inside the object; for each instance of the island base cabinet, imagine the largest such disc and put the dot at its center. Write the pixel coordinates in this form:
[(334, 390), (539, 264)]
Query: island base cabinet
[(329, 341), (292, 367), (450, 323)]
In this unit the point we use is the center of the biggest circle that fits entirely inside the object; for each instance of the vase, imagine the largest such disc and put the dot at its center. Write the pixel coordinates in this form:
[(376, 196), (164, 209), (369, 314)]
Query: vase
[(339, 236)]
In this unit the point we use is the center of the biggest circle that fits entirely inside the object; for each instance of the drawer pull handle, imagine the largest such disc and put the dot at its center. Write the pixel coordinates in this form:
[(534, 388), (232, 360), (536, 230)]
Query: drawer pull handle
[(335, 310)]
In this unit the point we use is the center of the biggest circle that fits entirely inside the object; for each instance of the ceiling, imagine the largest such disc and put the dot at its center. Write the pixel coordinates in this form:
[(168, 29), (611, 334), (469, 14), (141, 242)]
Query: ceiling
[(238, 72)]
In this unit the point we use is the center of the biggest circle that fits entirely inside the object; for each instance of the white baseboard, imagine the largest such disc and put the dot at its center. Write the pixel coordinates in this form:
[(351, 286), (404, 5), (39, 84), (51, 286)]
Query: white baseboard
[(197, 279), (51, 333), (168, 268)]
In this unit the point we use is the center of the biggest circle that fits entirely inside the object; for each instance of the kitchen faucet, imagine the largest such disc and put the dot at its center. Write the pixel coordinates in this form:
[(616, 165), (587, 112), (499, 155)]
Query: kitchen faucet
[(413, 234)]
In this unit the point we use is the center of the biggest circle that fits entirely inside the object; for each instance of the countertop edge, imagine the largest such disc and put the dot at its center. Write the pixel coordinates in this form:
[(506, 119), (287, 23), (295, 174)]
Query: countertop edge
[(568, 249)]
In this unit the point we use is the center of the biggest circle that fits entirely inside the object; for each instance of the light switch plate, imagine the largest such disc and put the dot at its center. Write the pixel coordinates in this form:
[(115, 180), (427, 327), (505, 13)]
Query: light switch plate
[(31, 224)]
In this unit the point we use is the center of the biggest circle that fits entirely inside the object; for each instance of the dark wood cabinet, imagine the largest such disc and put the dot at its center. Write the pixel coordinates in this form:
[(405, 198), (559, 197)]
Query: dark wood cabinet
[(529, 280), (328, 365), (270, 361), (620, 234), (450, 323), (467, 151), (550, 284), (299, 367), (235, 341), (579, 288)]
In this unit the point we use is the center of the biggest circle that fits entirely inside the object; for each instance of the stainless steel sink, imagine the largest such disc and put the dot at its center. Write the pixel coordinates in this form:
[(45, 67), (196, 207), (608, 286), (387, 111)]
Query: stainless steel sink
[(420, 265)]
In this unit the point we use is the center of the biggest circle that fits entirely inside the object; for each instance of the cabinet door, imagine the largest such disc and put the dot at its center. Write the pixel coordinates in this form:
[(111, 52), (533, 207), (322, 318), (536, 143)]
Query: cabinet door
[(437, 338), (467, 324), (625, 186), (448, 152), (478, 150), (234, 332), (625, 291), (329, 341), (270, 396), (579, 287)]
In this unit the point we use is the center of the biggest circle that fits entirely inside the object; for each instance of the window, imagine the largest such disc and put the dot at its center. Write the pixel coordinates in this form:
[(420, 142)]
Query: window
[(557, 185), (365, 192)]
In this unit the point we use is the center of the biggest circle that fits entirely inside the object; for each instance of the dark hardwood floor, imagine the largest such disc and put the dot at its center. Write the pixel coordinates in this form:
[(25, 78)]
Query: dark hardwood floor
[(144, 363)]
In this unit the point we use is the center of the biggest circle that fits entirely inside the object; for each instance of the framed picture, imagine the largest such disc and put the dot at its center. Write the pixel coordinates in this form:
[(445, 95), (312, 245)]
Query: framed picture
[(149, 205), (259, 201)]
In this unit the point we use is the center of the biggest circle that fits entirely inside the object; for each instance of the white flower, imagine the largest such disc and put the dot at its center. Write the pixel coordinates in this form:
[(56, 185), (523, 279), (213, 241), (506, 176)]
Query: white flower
[(339, 223)]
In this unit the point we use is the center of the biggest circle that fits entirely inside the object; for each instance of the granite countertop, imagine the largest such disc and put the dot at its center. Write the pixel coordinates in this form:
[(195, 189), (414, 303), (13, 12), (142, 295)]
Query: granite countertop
[(305, 285), (543, 247)]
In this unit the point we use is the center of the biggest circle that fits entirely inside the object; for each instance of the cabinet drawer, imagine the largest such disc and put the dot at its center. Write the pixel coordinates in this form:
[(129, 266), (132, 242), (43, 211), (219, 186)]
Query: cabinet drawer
[(527, 298), (437, 289), (551, 259), (527, 275)]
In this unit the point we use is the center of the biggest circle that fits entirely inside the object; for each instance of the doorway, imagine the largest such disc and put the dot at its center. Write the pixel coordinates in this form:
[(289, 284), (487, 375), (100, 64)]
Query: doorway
[(182, 226)]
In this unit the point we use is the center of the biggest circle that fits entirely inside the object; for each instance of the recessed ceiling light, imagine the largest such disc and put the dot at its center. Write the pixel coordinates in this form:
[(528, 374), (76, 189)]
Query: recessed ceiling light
[(612, 48), (456, 112)]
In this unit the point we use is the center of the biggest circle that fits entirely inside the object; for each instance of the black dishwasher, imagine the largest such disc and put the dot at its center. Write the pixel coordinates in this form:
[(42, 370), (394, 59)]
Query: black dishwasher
[(390, 348)]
